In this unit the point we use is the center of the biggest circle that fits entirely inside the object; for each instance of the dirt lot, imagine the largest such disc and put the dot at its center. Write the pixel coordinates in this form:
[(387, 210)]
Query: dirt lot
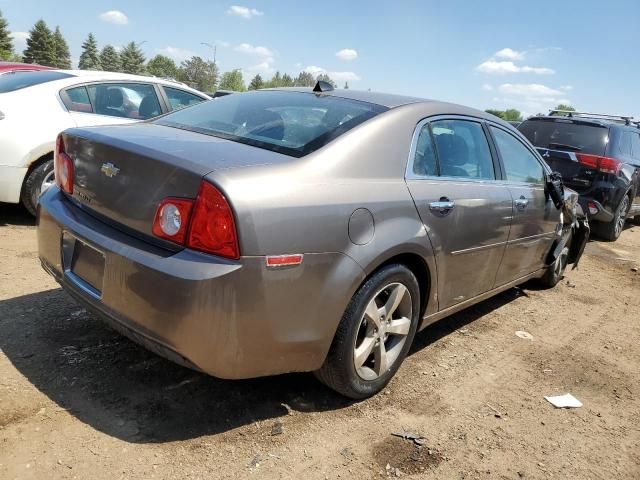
[(79, 401)]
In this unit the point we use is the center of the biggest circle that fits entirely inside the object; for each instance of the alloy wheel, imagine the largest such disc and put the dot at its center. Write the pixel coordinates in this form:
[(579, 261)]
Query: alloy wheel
[(47, 182), (383, 331), (622, 216)]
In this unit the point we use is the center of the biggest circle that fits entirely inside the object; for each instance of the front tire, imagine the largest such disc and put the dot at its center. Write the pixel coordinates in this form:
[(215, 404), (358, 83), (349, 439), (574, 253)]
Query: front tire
[(555, 272), (38, 180), (374, 335)]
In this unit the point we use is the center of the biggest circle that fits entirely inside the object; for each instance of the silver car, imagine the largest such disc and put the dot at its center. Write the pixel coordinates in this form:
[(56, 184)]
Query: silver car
[(297, 230)]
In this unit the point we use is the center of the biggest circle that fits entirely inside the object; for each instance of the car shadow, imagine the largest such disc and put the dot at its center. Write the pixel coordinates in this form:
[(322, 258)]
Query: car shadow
[(121, 389), (14, 214)]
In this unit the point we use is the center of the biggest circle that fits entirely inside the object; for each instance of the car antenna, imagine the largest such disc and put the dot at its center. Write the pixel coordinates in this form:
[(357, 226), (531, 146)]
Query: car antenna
[(322, 86)]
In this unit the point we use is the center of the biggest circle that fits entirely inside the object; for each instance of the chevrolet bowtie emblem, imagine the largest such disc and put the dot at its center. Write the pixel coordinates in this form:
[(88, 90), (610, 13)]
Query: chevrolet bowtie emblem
[(109, 169)]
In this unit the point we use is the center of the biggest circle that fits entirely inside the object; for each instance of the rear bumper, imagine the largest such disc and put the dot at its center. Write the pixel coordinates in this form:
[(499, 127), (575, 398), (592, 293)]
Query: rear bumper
[(603, 214), (231, 319), (11, 179)]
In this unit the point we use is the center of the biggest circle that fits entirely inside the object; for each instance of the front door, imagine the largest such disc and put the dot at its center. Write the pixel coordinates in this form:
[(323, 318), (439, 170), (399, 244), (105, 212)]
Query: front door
[(466, 212), (535, 217)]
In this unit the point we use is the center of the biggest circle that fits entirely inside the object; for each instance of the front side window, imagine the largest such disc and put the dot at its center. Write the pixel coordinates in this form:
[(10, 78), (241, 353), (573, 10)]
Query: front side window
[(292, 123), (463, 150), (180, 99), (519, 163), (126, 100)]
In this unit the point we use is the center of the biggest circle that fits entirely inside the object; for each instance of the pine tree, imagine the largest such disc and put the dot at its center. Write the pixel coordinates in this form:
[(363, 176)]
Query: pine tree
[(132, 59), (110, 59), (6, 43), (256, 83), (89, 57), (40, 46), (305, 79), (63, 57)]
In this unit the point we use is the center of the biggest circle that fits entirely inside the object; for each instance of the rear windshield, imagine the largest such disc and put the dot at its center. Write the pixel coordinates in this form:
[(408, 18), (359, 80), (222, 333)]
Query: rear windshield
[(10, 82), (293, 123), (562, 134)]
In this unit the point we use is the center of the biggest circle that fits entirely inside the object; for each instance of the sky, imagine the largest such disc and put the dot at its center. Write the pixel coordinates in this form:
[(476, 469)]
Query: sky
[(528, 55)]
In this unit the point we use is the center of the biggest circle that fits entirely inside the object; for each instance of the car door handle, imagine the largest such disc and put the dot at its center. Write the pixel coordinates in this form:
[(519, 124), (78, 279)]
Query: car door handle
[(442, 206), (521, 203)]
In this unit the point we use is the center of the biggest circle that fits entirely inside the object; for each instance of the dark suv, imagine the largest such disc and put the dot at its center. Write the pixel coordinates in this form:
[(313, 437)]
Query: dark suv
[(599, 157)]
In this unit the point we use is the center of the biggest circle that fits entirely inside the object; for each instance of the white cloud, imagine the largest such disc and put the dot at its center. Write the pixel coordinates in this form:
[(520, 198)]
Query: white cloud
[(114, 16), (337, 76), (510, 54), (566, 88), (176, 53), (248, 48), (528, 89), (244, 12), (19, 40), (486, 87), (347, 54), (503, 67), (263, 68)]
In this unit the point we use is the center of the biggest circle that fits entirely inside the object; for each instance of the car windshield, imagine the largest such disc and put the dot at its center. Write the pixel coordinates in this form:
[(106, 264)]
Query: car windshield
[(564, 134), (292, 123), (13, 81)]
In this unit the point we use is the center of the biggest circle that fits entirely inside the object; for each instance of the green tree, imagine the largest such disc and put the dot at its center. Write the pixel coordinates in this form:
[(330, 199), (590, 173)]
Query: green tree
[(276, 81), (6, 42), (287, 81), (132, 59), (232, 81), (497, 113), (162, 66), (199, 74), (563, 106), (256, 83), (305, 79), (89, 59), (323, 77), (110, 59), (63, 57), (512, 115), (40, 46)]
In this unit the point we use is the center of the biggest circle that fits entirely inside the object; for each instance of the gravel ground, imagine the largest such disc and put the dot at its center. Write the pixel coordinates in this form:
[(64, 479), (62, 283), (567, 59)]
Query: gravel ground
[(79, 401)]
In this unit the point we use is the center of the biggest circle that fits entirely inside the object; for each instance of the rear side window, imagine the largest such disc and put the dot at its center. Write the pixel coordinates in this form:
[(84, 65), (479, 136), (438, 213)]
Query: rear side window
[(624, 147), (126, 100), (292, 123), (424, 162), (463, 150), (563, 134), (77, 100), (180, 99), (519, 163), (635, 145), (11, 82)]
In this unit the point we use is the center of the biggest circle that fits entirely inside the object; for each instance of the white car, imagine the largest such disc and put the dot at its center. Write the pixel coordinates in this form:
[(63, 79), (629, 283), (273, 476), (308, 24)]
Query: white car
[(37, 105)]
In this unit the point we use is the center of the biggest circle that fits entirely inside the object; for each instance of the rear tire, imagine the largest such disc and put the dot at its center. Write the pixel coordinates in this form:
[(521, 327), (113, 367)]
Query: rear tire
[(611, 231), (366, 352), (37, 181)]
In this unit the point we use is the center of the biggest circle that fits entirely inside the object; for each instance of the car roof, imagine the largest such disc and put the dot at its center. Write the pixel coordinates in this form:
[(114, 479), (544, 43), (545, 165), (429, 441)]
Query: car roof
[(389, 100), (584, 120), (11, 66), (81, 76)]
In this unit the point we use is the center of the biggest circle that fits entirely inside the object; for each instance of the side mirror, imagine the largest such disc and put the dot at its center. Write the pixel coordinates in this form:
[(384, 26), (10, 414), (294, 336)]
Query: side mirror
[(555, 189)]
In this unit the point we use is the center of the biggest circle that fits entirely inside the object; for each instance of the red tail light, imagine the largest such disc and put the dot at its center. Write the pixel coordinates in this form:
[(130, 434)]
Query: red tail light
[(213, 229), (204, 224), (63, 167), (596, 162)]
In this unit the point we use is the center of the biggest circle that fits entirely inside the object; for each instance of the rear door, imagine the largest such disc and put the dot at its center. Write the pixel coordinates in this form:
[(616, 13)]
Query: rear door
[(560, 139), (111, 103), (466, 211), (535, 217)]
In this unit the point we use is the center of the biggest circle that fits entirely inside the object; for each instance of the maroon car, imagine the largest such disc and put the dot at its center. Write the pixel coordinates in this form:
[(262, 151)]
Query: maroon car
[(7, 67)]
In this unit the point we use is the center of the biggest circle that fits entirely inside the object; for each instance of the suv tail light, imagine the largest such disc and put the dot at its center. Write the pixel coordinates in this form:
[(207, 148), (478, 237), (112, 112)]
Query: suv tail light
[(63, 167), (205, 224), (596, 162)]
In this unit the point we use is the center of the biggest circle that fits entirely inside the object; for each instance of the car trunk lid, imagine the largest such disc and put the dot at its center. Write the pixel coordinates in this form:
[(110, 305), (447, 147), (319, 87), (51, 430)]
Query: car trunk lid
[(121, 173)]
